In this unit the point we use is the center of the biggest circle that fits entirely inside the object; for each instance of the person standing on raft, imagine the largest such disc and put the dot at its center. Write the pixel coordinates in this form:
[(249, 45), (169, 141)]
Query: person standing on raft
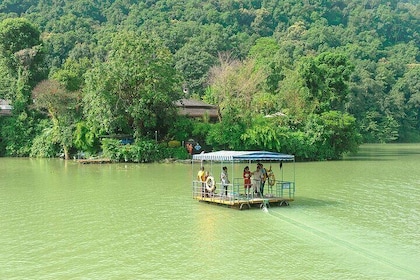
[(201, 176), (247, 180), (225, 179)]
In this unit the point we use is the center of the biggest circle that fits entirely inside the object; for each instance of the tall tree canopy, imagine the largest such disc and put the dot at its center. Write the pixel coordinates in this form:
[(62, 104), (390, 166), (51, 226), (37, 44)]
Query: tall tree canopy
[(22, 67), (21, 57), (326, 77), (17, 34), (324, 69), (134, 89)]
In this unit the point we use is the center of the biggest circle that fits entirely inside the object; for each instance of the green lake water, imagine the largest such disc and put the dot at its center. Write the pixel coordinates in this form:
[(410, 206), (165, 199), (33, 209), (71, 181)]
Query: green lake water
[(358, 218)]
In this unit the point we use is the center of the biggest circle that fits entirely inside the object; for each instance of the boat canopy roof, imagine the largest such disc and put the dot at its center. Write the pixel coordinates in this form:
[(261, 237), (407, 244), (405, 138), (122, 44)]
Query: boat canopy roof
[(243, 156)]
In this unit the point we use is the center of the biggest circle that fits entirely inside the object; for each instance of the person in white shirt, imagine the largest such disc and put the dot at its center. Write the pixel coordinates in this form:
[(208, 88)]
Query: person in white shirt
[(225, 179), (256, 180)]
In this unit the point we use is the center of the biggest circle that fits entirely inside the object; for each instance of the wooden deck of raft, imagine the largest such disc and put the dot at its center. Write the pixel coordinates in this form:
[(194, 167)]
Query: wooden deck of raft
[(241, 202)]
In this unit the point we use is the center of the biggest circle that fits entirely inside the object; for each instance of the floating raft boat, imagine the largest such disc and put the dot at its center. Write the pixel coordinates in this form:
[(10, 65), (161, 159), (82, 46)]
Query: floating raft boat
[(277, 192)]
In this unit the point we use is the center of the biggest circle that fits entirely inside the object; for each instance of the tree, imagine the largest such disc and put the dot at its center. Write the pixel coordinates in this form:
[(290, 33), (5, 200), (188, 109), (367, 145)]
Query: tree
[(134, 90), (71, 75), (366, 103), (21, 56), (330, 135), (22, 66), (265, 132), (15, 6), (233, 85), (7, 79), (61, 106), (265, 52), (193, 62), (199, 54), (17, 34), (404, 105), (227, 133), (326, 77)]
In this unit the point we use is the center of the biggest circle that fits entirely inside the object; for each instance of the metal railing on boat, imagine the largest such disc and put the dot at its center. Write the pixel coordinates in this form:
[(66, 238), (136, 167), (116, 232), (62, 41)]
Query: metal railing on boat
[(280, 193)]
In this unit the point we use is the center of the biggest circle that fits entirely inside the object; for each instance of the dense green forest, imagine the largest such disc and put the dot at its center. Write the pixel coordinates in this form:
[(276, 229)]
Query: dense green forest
[(333, 74)]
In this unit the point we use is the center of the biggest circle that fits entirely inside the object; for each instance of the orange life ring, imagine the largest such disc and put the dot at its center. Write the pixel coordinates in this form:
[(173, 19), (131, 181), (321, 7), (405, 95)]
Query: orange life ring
[(210, 184)]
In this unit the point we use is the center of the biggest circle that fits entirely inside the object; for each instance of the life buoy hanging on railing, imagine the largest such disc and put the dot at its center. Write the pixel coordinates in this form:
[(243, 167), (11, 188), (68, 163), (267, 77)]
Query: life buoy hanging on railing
[(271, 179), (210, 184)]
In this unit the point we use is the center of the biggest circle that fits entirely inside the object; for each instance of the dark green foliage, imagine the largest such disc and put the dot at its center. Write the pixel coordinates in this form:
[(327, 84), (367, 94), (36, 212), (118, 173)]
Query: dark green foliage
[(178, 153), (321, 63), (17, 34), (17, 133), (84, 139), (134, 90), (405, 102), (182, 128), (44, 145), (21, 67), (22, 52), (327, 136), (139, 151), (326, 76), (227, 133), (332, 134), (62, 107)]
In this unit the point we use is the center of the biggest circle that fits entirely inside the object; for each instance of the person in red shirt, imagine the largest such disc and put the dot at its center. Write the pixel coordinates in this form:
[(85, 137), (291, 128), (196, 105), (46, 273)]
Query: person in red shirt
[(247, 180)]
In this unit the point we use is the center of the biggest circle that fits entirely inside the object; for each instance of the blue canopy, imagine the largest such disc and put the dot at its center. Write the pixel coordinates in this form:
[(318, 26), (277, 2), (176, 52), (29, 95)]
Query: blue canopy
[(243, 156)]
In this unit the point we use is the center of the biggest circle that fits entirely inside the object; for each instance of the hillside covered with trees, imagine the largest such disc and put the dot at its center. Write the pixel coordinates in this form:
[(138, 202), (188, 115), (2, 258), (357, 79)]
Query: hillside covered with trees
[(311, 78)]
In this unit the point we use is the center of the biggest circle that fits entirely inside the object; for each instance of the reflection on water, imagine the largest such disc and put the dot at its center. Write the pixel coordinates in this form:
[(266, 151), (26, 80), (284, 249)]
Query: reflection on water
[(352, 219)]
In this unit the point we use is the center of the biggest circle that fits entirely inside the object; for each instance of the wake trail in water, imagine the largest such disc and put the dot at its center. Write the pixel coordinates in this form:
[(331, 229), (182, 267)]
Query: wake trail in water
[(342, 243)]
